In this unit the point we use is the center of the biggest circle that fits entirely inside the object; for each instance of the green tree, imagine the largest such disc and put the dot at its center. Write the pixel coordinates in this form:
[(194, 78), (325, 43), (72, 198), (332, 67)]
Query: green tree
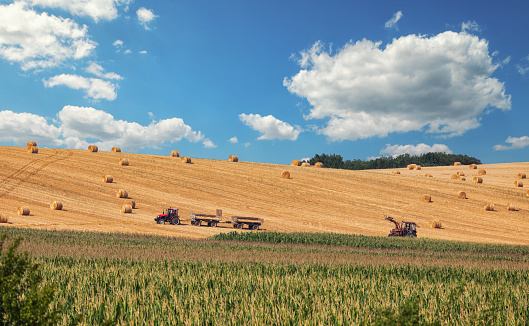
[(24, 300)]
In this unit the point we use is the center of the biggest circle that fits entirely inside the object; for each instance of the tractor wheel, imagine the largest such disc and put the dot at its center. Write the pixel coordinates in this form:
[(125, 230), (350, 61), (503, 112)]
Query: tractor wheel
[(254, 227), (175, 221), (160, 221)]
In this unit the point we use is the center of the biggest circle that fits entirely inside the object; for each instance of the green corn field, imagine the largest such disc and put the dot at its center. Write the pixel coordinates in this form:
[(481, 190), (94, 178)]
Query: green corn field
[(151, 280)]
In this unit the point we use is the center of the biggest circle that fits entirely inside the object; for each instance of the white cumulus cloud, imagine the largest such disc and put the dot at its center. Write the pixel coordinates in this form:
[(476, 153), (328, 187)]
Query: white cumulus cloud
[(97, 70), (419, 149), (95, 9), (392, 23), (270, 127), (233, 140), (441, 84), (208, 143), (94, 88), (514, 143), (37, 41), (145, 16), (19, 127)]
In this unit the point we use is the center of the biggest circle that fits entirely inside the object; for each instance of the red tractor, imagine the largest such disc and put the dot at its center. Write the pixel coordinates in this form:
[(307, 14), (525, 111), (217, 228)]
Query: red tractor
[(404, 229), (171, 216)]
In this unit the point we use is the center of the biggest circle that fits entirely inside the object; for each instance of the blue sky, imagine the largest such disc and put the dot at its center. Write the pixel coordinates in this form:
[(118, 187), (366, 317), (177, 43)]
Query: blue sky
[(268, 81)]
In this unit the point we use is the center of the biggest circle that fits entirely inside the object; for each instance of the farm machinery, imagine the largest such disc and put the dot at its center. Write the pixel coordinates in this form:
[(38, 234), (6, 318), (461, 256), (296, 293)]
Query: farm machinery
[(404, 229), (238, 222)]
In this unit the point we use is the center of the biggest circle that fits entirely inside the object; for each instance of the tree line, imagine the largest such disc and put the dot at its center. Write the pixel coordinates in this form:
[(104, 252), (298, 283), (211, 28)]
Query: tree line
[(388, 162)]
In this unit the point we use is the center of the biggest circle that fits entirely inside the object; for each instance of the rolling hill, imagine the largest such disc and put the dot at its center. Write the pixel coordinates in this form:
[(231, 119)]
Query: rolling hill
[(312, 200)]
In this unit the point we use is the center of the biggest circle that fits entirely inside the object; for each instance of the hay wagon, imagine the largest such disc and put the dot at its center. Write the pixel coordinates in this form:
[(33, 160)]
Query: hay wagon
[(253, 223), (209, 220)]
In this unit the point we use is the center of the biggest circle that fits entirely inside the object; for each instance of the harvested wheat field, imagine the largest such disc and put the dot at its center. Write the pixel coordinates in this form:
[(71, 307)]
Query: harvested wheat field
[(314, 200)]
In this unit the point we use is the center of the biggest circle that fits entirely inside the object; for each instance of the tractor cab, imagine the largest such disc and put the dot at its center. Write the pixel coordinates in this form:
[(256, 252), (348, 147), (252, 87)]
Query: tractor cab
[(403, 229), (171, 216)]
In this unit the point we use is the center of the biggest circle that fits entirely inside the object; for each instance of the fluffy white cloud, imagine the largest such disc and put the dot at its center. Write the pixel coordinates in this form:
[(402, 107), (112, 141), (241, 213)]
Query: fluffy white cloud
[(270, 127), (208, 143), (98, 71), (38, 41), (515, 143), (233, 140), (19, 127), (441, 83), (118, 44), (145, 16), (419, 149), (392, 23), (470, 26), (95, 88), (96, 9)]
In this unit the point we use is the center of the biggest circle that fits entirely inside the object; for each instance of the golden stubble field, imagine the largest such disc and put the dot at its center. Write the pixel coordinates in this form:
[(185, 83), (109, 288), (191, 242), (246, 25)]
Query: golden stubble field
[(312, 200)]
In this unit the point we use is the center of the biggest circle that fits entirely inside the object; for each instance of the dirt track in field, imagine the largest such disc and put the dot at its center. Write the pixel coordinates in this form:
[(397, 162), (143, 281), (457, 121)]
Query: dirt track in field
[(313, 200)]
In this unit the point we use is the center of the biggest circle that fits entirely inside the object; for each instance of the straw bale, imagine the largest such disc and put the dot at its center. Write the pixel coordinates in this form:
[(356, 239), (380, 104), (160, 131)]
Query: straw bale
[(482, 172), (122, 194), (521, 175), (305, 164), (92, 148), (233, 158), (108, 179), (126, 209), (285, 174), (123, 161), (462, 195), (130, 202), (511, 207), (427, 198), (175, 154), (395, 172), (411, 166), (477, 180), (33, 150), (55, 205), (116, 149), (518, 184), (455, 177), (3, 218), (318, 164), (472, 166), (435, 225), (31, 143), (527, 193), (461, 174), (185, 159), (462, 179), (417, 167), (23, 210), (295, 163), (489, 207), (457, 163)]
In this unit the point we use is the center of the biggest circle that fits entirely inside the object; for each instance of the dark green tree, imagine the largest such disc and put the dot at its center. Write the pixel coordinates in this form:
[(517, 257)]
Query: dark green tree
[(24, 299)]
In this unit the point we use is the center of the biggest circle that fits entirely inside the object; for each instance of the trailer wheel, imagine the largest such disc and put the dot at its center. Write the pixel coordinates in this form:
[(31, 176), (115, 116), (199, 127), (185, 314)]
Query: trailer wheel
[(255, 227), (239, 226), (175, 221), (213, 224), (197, 223), (235, 226)]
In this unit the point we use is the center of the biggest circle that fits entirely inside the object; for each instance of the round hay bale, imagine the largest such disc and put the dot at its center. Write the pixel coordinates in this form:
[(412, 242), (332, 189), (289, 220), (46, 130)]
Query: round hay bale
[(55, 205), (185, 159), (457, 163), (92, 148), (455, 177), (23, 210), (233, 158), (427, 198), (462, 195), (31, 143), (130, 202), (116, 149), (123, 161), (33, 150), (518, 184), (122, 194), (461, 174), (3, 218), (511, 207), (395, 172), (417, 167), (521, 176), (477, 180), (108, 179), (527, 193), (175, 153), (472, 166), (126, 209), (482, 172), (305, 164), (411, 166), (462, 179), (295, 163), (489, 207), (318, 164), (435, 224), (285, 175)]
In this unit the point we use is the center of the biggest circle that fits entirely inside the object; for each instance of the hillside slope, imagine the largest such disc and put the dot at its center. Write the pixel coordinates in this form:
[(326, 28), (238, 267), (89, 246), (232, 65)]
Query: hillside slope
[(313, 200)]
